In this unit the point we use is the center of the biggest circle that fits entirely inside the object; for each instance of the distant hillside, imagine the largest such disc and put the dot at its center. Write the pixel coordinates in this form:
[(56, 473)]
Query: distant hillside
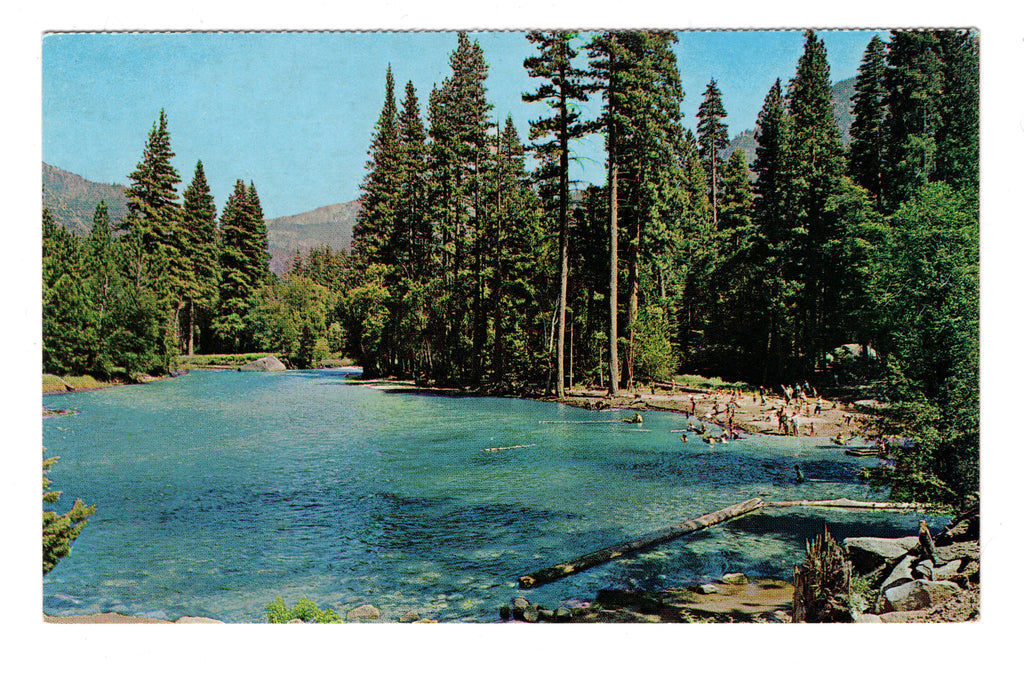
[(72, 199), (330, 225), (842, 103)]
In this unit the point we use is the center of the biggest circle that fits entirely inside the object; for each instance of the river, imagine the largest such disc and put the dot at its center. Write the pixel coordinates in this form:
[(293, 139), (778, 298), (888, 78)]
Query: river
[(216, 492)]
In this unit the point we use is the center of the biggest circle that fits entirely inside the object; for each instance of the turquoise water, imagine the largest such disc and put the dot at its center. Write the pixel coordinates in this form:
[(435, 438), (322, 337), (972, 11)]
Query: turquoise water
[(218, 491)]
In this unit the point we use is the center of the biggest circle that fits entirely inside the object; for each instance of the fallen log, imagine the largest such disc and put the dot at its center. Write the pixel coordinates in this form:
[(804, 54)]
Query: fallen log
[(597, 557), (508, 448), (848, 504)]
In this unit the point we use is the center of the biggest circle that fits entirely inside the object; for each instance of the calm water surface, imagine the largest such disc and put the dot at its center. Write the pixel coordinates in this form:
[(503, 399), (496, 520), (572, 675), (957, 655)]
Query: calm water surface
[(218, 491)]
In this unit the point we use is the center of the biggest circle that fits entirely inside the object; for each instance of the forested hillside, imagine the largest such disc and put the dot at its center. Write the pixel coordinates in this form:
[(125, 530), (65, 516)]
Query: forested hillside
[(468, 270)]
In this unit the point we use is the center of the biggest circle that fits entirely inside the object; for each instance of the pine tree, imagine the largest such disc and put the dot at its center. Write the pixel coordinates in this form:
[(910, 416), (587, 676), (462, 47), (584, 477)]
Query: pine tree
[(913, 85), (646, 111), (713, 137), (375, 226), (153, 203), (956, 141), (816, 165), (867, 130), (563, 86), (59, 531), (459, 154), (772, 245), (158, 264), (198, 239), (244, 263), (69, 334), (104, 284)]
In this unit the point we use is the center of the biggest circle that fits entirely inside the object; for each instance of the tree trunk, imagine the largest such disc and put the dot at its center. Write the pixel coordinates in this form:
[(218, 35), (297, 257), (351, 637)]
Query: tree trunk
[(563, 232), (660, 536), (191, 326), (613, 242)]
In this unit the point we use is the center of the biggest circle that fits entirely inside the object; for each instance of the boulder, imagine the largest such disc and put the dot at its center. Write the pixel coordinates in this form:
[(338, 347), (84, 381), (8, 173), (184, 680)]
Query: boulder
[(198, 620), (519, 606), (868, 554), (409, 617), (265, 364), (918, 594), (900, 574), (706, 589), (563, 613), (735, 579), (968, 550), (363, 612)]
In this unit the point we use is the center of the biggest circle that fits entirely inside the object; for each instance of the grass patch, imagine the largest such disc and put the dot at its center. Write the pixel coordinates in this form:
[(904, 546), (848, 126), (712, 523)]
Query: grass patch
[(53, 383), (218, 359), (700, 382), (78, 382)]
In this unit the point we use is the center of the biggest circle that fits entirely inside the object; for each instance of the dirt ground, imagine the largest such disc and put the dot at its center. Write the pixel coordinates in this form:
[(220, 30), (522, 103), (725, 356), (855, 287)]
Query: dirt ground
[(745, 412)]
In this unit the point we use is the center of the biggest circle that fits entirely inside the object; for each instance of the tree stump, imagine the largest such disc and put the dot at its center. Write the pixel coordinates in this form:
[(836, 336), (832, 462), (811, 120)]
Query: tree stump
[(821, 592)]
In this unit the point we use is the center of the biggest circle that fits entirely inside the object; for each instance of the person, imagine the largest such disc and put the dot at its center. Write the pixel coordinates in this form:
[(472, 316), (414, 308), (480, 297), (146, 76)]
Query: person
[(817, 406), (799, 474), (683, 438)]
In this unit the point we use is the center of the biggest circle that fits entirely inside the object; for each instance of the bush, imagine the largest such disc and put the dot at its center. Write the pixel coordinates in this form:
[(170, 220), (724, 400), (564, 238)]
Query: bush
[(305, 610)]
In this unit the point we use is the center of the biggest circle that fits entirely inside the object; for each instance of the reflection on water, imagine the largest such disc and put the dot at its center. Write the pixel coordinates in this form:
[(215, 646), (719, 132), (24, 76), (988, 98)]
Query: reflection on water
[(218, 491)]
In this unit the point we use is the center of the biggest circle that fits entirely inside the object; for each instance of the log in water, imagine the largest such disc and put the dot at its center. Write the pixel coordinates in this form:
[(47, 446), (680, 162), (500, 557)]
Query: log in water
[(660, 536)]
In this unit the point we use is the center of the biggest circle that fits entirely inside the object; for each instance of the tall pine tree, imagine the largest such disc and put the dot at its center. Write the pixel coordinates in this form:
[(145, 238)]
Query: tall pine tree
[(713, 137), (867, 130)]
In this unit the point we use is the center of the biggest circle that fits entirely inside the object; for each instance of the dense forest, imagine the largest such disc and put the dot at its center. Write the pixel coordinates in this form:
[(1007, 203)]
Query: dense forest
[(476, 263)]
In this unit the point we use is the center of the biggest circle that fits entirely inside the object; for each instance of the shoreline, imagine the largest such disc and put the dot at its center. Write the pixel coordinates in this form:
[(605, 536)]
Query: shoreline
[(836, 420)]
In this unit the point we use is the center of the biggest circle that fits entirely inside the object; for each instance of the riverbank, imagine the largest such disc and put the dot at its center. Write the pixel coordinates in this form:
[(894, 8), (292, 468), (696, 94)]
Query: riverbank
[(743, 412)]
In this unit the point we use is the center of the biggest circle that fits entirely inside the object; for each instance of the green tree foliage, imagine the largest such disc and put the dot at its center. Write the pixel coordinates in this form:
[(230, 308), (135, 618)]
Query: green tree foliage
[(867, 133), (198, 241), (913, 83), (244, 265), (926, 287), (713, 137), (375, 227), (563, 86), (60, 530)]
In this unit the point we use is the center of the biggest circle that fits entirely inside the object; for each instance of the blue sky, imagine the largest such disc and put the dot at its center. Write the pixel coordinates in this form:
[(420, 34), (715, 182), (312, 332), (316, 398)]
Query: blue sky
[(294, 112)]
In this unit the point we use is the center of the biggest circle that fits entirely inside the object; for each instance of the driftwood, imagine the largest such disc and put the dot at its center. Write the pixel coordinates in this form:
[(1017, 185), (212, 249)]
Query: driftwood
[(847, 504), (595, 558)]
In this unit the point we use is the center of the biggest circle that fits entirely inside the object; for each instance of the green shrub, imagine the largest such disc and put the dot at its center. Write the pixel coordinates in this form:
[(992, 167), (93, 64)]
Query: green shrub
[(305, 610)]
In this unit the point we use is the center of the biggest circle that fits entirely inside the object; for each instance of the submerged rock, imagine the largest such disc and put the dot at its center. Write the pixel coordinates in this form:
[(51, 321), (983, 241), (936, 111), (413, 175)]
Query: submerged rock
[(363, 612)]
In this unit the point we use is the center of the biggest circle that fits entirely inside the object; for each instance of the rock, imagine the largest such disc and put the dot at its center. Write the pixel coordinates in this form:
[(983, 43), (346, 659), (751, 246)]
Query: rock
[(900, 573), (546, 614), (963, 550), (505, 612), (363, 612), (918, 594), (531, 614), (411, 616), (946, 572), (519, 605), (265, 364), (922, 570), (859, 618), (867, 554), (198, 620), (425, 621), (296, 621), (563, 613), (706, 589), (735, 579)]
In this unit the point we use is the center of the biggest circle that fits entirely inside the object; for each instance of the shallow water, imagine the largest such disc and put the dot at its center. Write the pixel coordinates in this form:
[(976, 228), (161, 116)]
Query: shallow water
[(218, 491)]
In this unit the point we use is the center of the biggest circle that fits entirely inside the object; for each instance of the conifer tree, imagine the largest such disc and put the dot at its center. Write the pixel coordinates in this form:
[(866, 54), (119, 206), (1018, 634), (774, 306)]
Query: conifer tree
[(563, 86), (713, 137), (913, 85), (816, 165), (376, 223), (867, 130), (198, 240), (153, 209), (243, 263), (59, 531), (956, 140), (772, 245)]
